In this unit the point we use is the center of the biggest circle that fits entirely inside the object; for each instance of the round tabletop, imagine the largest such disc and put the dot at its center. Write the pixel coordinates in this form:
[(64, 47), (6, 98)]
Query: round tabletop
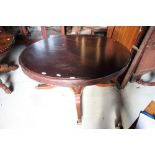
[(66, 60)]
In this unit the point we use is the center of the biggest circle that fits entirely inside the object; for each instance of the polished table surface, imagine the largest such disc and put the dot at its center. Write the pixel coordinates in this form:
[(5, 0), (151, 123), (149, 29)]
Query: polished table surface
[(74, 61)]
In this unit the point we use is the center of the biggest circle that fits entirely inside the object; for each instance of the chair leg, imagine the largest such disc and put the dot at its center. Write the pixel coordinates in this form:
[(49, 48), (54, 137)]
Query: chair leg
[(6, 68), (5, 88)]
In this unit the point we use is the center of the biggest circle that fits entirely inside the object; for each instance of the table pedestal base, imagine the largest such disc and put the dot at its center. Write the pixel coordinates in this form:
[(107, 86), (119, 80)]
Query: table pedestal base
[(77, 91)]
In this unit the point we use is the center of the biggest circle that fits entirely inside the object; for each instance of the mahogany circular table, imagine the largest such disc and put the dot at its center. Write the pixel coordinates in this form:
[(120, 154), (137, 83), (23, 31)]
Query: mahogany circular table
[(74, 61)]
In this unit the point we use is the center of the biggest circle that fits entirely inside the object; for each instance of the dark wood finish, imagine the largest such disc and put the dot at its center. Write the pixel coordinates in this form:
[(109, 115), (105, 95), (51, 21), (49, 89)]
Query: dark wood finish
[(130, 37), (126, 35), (74, 61), (6, 41), (147, 62), (137, 57), (141, 35), (110, 31), (127, 75)]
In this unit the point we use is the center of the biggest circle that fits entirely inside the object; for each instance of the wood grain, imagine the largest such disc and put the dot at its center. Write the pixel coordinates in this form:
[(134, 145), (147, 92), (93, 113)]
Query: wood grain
[(126, 35), (147, 62), (110, 31), (137, 57), (150, 109)]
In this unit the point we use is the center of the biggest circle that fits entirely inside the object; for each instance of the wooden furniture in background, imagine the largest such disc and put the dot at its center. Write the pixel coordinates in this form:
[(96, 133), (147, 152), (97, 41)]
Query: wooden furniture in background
[(6, 41), (131, 37), (86, 30), (126, 35), (144, 59), (142, 42), (39, 35), (110, 31), (147, 61), (23, 30), (43, 32)]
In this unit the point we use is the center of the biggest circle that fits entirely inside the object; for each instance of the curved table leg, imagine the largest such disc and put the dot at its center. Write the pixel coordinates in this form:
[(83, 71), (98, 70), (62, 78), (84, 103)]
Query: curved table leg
[(78, 91)]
